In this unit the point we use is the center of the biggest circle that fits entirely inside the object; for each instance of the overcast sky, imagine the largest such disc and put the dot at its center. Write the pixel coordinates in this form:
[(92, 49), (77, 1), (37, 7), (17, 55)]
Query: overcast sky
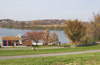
[(48, 9)]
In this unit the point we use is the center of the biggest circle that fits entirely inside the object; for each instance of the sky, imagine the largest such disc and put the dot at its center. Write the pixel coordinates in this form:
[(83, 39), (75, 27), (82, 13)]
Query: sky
[(25, 10)]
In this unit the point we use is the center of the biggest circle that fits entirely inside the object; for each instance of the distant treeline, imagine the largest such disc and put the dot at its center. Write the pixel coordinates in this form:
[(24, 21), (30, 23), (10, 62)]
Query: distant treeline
[(37, 28), (52, 24)]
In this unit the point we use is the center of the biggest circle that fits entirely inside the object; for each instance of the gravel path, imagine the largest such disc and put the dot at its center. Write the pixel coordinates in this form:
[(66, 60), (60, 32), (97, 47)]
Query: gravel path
[(45, 55)]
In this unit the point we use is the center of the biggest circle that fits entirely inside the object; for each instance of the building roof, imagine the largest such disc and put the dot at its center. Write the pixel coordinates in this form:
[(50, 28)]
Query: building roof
[(10, 38)]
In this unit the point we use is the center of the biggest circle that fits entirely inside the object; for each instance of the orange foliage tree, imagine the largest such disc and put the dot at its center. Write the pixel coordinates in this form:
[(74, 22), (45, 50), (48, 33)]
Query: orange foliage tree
[(74, 31), (94, 28)]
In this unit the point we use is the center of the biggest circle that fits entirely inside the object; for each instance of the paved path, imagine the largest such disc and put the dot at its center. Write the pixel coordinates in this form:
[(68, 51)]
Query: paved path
[(45, 55)]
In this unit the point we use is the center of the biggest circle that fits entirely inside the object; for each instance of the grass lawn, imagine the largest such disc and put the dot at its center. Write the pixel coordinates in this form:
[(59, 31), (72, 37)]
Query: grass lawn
[(45, 51), (77, 59)]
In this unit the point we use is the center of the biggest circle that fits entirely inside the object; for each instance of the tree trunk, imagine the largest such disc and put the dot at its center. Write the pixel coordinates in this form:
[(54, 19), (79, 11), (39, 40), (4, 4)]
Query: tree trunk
[(43, 43), (54, 42), (74, 44)]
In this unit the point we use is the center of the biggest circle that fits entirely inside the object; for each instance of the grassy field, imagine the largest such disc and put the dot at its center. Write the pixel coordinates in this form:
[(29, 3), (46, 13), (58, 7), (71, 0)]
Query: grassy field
[(78, 59), (28, 51)]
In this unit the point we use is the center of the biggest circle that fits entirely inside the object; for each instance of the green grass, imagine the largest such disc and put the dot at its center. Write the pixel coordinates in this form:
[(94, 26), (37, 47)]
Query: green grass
[(28, 50), (76, 59)]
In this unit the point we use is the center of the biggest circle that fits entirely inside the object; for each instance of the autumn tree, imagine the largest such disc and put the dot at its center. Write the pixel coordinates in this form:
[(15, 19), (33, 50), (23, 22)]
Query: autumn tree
[(93, 32), (45, 37), (34, 35), (96, 17), (53, 38), (74, 31), (22, 24)]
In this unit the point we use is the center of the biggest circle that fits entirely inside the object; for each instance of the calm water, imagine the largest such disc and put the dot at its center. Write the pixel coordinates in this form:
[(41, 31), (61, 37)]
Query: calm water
[(15, 32)]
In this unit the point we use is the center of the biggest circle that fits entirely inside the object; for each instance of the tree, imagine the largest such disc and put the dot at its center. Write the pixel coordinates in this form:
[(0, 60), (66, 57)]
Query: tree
[(74, 31), (96, 17), (53, 38), (23, 24), (93, 31), (34, 35), (45, 37)]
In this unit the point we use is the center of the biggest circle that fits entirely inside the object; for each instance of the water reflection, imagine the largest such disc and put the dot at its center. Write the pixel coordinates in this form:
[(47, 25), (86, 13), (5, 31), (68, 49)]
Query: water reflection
[(15, 32)]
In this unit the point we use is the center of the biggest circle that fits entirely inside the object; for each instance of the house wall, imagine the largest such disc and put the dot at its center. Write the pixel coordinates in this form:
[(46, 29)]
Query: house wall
[(0, 43), (10, 42)]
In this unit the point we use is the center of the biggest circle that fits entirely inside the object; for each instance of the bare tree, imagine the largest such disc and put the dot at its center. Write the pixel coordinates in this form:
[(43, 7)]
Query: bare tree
[(46, 37), (53, 38)]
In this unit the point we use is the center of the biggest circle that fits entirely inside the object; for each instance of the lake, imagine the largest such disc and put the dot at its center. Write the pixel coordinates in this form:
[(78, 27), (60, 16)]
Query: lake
[(15, 32)]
